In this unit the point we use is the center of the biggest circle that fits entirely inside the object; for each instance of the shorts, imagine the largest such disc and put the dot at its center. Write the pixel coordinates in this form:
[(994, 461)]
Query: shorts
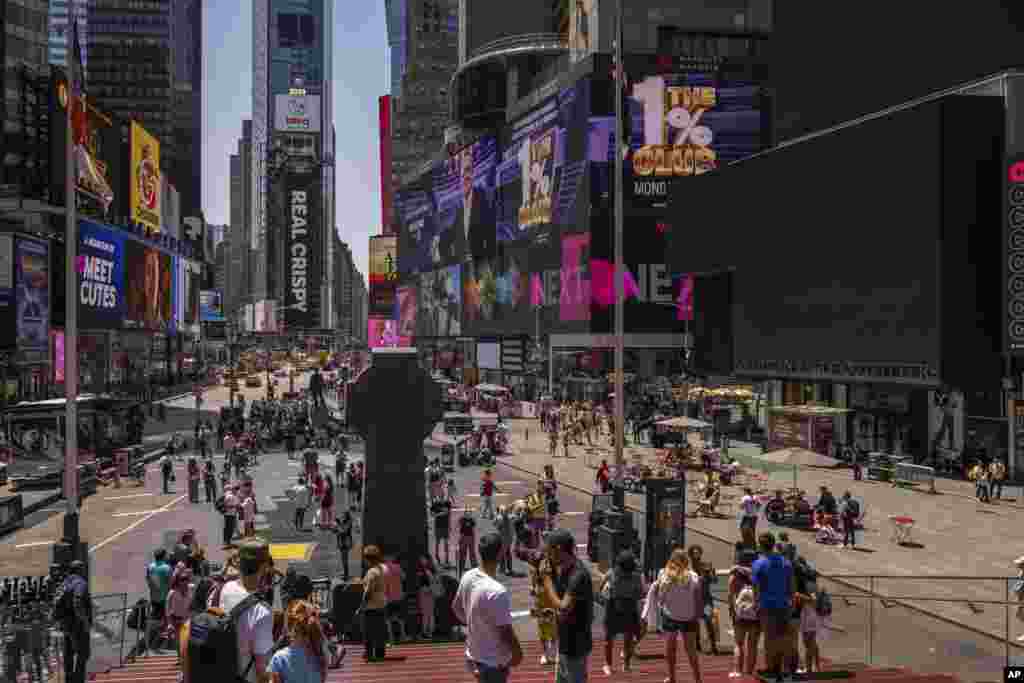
[(441, 531), (670, 625), (547, 629), (748, 522), (487, 674), (775, 622)]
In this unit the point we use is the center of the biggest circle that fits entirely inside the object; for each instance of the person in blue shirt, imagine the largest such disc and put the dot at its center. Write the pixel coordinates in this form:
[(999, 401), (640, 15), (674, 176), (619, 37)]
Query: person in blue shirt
[(774, 584), (158, 578)]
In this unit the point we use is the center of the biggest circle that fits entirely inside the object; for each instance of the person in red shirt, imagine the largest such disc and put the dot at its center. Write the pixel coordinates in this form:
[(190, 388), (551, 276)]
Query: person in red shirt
[(603, 477), (487, 489)]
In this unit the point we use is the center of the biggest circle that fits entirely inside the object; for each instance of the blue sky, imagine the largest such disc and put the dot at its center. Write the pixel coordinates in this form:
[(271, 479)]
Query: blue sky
[(360, 77)]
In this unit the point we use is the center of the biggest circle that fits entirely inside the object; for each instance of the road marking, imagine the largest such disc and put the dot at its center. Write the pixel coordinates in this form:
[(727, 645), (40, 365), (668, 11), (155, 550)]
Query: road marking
[(60, 509), (292, 463), (35, 545), (135, 514), (134, 525), (521, 615), (572, 514), (278, 499), (581, 546), (477, 495), (508, 483), (134, 495)]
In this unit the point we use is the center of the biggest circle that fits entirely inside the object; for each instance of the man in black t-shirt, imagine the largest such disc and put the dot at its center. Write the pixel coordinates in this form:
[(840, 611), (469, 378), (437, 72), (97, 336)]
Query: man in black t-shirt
[(441, 510), (572, 589), (467, 542)]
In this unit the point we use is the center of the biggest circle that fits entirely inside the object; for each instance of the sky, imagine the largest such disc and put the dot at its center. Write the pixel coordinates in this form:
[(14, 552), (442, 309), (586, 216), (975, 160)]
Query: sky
[(360, 77)]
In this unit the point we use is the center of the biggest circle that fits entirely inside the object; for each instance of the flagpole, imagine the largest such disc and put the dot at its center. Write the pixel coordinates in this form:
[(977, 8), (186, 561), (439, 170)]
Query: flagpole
[(71, 531)]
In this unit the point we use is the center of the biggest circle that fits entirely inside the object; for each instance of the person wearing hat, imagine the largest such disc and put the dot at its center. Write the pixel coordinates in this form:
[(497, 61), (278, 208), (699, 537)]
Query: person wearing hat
[(76, 623), (255, 625)]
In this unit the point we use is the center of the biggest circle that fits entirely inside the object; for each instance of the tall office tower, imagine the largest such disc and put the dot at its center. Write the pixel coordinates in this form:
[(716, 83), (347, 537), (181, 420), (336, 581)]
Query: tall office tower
[(61, 13), (423, 37), (241, 257), (186, 166), (131, 53), (293, 155), (24, 98)]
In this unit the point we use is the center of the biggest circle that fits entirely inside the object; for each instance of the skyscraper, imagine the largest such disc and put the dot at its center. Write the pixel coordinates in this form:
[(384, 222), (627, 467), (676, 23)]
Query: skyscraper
[(145, 64), (293, 137)]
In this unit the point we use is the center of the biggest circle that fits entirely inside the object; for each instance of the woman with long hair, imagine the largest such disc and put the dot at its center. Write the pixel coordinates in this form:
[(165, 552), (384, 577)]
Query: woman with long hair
[(374, 605), (678, 596), (745, 617), (706, 572), (623, 588), (304, 659)]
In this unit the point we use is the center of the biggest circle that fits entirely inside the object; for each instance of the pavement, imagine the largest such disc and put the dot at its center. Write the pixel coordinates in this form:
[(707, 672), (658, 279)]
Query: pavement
[(954, 536)]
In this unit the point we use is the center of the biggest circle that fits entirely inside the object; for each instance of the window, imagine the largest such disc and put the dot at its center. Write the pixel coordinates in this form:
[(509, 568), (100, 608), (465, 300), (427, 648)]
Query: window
[(296, 30)]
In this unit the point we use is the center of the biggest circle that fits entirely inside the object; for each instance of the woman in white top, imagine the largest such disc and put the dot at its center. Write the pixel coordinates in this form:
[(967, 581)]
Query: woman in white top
[(678, 596)]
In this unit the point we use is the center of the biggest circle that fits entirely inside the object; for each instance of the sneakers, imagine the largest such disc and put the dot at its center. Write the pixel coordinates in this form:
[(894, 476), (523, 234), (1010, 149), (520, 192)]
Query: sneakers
[(544, 660), (607, 670), (734, 674)]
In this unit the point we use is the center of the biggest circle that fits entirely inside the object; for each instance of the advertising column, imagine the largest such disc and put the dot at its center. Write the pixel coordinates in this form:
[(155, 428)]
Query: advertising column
[(302, 247), (32, 298)]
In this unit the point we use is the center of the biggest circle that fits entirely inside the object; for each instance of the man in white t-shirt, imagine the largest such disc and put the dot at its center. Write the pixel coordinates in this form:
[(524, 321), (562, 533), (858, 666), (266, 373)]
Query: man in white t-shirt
[(485, 607), (230, 514), (256, 624)]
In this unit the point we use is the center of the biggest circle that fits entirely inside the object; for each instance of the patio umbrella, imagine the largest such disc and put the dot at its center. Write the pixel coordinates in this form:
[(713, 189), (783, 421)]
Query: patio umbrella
[(798, 457)]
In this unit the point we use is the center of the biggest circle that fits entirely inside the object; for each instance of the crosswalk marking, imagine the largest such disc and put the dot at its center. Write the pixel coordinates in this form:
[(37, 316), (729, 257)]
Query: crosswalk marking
[(136, 514), (134, 495), (34, 545)]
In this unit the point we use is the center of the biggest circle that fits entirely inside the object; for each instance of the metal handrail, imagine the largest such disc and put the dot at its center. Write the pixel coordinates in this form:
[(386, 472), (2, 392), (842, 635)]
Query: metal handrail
[(523, 40)]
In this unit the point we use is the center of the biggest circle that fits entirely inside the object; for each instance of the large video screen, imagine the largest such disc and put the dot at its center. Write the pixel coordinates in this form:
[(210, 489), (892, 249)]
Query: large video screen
[(405, 313), (417, 250), (542, 177), (496, 293), (466, 199), (440, 303), (682, 124), (149, 282), (101, 291)]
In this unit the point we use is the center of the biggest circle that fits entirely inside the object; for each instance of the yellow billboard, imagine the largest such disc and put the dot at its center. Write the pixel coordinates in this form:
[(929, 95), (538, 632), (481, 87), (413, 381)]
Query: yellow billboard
[(144, 193)]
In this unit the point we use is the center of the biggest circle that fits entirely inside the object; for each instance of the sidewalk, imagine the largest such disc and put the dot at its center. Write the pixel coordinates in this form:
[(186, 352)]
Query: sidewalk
[(954, 535)]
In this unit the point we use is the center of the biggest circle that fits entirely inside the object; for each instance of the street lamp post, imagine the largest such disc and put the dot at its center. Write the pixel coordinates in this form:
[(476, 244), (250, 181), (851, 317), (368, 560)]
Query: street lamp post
[(620, 75)]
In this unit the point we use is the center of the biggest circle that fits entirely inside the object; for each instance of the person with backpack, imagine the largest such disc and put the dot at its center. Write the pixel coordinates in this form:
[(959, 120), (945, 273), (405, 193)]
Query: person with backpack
[(167, 472), (743, 611), (234, 640), (73, 611), (210, 481), (622, 590), (849, 513)]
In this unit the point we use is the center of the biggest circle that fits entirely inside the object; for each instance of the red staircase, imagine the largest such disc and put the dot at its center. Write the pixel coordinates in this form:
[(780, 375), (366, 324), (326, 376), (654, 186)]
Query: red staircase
[(446, 664)]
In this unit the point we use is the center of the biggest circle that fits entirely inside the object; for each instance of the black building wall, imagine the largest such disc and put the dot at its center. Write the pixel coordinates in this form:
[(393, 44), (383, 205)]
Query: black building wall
[(835, 61), (834, 243), (971, 252)]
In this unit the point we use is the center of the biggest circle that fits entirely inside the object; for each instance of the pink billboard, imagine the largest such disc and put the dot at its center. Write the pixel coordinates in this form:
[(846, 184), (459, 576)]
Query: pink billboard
[(574, 301), (383, 332)]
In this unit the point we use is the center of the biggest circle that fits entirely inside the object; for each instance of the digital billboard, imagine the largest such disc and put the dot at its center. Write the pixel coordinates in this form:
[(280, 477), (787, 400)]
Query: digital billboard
[(466, 199), (405, 312), (542, 175), (681, 124), (440, 312), (32, 293), (302, 247), (418, 251), (574, 302), (211, 306), (145, 186), (149, 288), (297, 113), (8, 309), (383, 332), (495, 294), (101, 285), (383, 274)]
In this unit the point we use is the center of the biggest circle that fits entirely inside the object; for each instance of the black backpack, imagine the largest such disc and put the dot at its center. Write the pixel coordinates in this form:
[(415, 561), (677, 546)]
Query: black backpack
[(213, 644)]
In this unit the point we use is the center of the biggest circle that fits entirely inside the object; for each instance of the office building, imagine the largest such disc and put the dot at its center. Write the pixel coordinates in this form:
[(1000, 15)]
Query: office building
[(186, 167), (24, 88), (292, 69), (423, 42), (62, 12)]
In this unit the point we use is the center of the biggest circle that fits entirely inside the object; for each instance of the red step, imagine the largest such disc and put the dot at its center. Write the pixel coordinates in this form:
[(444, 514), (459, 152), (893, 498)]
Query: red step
[(418, 663)]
